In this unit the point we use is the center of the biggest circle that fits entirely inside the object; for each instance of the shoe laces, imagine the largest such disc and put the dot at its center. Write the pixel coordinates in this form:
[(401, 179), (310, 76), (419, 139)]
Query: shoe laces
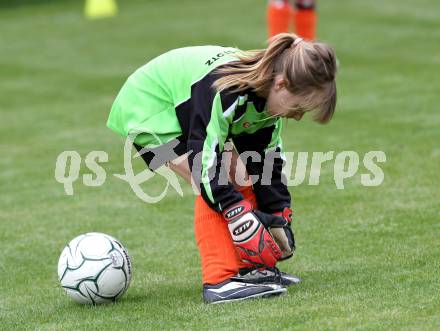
[(277, 273), (275, 270)]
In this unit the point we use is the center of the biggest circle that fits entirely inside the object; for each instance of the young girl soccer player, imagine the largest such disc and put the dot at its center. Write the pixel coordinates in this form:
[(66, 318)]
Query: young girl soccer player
[(196, 99)]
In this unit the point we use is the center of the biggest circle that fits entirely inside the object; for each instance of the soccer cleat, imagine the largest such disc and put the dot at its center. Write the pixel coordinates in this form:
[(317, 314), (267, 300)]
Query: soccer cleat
[(266, 276), (230, 291)]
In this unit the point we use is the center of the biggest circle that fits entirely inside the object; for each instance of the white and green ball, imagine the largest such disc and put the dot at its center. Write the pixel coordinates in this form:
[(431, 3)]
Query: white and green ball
[(94, 268)]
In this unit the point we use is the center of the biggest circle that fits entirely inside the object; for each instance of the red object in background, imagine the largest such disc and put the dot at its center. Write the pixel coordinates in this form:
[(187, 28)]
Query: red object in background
[(304, 21), (303, 18), (278, 16)]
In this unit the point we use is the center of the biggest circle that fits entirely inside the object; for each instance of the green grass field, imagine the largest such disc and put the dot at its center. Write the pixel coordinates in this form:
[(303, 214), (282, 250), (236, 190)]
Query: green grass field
[(369, 256)]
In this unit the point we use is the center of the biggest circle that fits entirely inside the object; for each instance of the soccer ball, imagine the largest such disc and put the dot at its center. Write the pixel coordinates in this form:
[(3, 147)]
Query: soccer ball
[(94, 268)]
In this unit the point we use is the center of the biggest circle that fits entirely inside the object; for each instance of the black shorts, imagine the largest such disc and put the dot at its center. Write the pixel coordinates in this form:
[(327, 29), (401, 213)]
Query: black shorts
[(160, 155)]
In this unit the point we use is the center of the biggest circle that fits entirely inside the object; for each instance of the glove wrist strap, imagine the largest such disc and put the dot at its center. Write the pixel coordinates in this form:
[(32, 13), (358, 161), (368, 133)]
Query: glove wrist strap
[(286, 213), (237, 210)]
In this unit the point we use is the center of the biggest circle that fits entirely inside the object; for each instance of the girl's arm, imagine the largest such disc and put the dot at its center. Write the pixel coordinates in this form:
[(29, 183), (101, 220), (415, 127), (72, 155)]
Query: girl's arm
[(271, 192), (209, 119)]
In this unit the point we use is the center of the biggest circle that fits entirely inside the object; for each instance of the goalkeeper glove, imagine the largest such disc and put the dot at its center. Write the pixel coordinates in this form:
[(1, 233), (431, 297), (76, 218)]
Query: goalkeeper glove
[(250, 234), (284, 236)]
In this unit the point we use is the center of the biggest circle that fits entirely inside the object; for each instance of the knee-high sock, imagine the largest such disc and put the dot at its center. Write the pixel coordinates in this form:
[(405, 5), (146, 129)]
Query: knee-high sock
[(219, 257), (278, 17), (304, 20)]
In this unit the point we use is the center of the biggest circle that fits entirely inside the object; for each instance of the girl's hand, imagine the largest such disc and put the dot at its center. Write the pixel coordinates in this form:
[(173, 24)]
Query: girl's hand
[(284, 236), (250, 232)]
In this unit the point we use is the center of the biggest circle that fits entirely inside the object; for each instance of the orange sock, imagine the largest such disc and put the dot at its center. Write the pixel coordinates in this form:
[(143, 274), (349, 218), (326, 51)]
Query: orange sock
[(304, 21), (278, 17), (219, 257)]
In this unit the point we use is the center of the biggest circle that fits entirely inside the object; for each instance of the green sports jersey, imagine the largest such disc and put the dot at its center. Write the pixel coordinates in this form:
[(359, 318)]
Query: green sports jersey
[(172, 97), (148, 99)]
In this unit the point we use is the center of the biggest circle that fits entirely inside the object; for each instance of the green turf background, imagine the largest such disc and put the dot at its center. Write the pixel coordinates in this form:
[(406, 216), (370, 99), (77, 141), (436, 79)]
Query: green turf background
[(369, 257)]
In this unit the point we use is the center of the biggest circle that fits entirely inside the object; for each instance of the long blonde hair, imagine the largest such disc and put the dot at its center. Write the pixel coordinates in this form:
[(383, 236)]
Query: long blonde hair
[(309, 69)]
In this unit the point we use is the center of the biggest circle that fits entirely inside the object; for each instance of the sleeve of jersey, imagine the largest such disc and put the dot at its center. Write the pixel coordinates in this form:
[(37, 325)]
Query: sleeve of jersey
[(270, 188), (211, 116)]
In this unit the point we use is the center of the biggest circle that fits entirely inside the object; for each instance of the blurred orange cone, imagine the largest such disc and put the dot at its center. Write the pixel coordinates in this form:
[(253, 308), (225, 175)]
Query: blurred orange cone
[(100, 8)]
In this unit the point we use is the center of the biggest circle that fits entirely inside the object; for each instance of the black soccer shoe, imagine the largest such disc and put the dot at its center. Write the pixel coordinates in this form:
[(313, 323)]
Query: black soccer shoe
[(230, 291), (266, 276)]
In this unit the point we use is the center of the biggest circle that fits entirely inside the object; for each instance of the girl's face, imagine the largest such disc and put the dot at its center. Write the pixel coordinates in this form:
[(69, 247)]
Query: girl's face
[(281, 102)]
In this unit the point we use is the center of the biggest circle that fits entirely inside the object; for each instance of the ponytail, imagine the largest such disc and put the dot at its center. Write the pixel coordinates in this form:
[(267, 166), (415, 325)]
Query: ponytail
[(255, 68)]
